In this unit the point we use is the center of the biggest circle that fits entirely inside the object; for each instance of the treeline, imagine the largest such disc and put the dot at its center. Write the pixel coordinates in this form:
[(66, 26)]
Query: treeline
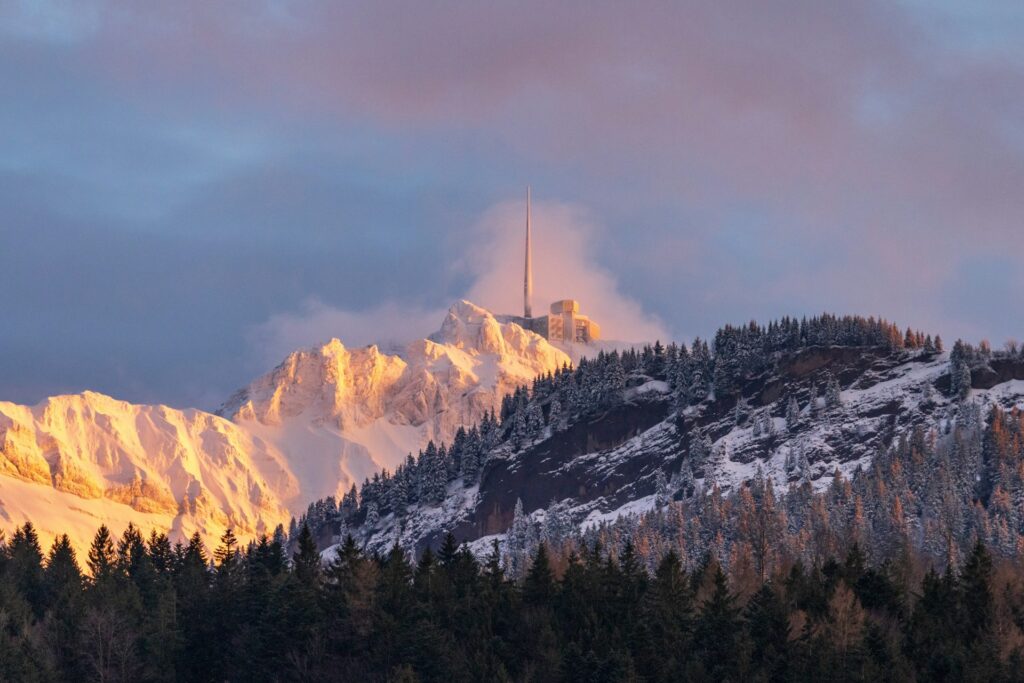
[(750, 350), (147, 611)]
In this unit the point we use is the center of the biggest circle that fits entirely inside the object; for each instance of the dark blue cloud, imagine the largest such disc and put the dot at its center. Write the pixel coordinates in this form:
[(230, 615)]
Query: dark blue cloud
[(172, 177)]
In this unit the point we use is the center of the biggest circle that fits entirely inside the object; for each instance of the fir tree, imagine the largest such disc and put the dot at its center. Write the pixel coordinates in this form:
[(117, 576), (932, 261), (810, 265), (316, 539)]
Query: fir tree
[(539, 586), (102, 558), (768, 625), (716, 639), (307, 558), (662, 492)]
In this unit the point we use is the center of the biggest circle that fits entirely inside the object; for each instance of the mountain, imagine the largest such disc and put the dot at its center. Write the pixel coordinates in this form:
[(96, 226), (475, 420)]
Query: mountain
[(830, 407), (74, 462), (322, 420), (341, 415)]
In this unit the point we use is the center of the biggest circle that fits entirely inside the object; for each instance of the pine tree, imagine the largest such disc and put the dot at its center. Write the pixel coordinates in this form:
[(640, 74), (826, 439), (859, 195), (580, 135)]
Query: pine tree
[(962, 381), (520, 432), (539, 586), (518, 538), (718, 631), (63, 575), (399, 493), (534, 419), (471, 461), (372, 516), (102, 559), (932, 641), (557, 525), (350, 503), (768, 626), (833, 396), (977, 605), (25, 566), (307, 559), (555, 413), (662, 492), (226, 555), (959, 370)]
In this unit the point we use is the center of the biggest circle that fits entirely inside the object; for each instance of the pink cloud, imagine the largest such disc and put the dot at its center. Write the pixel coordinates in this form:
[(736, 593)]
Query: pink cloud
[(564, 267), (853, 121)]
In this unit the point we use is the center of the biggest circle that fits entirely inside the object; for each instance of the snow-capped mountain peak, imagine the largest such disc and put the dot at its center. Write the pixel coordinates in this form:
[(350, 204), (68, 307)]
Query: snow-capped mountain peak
[(353, 412)]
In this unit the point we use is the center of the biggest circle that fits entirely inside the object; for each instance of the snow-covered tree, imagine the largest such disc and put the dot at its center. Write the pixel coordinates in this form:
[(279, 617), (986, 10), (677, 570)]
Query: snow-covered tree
[(372, 516), (792, 414), (662, 492), (558, 524), (959, 370), (684, 480), (534, 419), (517, 539), (555, 413), (833, 396)]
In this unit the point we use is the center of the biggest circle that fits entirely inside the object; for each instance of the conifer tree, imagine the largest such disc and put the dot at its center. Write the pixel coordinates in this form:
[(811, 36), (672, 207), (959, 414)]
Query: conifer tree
[(372, 516), (768, 626), (539, 586), (25, 566), (662, 492), (306, 559), (833, 397), (226, 554), (977, 601), (718, 631), (102, 559), (63, 575)]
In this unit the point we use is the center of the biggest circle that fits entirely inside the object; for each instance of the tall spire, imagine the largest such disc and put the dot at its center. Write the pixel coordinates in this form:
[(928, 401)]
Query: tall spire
[(528, 275)]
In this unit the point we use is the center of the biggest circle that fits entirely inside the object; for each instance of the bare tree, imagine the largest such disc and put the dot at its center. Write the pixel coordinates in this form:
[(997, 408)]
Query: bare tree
[(108, 645)]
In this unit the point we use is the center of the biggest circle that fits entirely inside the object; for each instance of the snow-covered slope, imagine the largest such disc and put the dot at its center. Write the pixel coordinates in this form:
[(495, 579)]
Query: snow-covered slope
[(340, 415), (322, 420), (73, 462), (606, 463)]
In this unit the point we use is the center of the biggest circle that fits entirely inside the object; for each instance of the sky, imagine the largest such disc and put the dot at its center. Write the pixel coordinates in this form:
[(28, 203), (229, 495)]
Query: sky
[(190, 190)]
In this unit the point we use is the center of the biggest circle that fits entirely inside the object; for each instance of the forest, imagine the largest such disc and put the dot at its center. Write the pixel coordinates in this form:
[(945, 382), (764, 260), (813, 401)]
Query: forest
[(144, 610)]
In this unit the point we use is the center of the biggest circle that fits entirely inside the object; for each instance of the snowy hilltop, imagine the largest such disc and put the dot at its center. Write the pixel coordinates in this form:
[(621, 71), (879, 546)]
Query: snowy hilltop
[(322, 420), (673, 440)]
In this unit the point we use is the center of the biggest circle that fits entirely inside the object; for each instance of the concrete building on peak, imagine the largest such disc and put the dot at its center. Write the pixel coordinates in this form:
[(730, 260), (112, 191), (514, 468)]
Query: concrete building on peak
[(564, 322)]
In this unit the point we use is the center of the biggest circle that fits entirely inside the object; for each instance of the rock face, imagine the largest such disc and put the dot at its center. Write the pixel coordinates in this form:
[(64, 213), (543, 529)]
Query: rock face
[(606, 463), (322, 420)]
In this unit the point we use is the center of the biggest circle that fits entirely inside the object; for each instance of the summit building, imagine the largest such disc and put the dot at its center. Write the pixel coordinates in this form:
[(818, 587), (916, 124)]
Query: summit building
[(564, 322)]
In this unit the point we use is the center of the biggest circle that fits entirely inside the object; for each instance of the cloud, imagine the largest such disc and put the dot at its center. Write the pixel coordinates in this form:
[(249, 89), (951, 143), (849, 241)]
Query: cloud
[(316, 322), (863, 117), (564, 266), (222, 161)]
